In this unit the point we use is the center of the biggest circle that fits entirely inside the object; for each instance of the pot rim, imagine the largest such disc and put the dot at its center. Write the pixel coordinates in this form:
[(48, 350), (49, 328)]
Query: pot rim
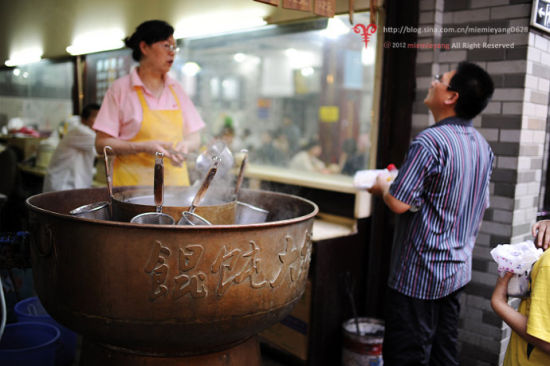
[(30, 203)]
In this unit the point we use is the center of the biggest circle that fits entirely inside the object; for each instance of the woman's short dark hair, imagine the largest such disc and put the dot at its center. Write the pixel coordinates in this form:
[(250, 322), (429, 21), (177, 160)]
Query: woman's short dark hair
[(149, 32), (475, 89)]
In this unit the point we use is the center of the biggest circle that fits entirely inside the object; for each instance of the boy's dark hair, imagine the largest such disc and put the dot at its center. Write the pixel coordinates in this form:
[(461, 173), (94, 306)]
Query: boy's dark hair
[(149, 32), (475, 89), (87, 111)]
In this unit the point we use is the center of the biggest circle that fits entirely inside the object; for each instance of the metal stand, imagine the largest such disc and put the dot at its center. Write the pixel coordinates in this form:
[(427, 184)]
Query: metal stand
[(246, 353)]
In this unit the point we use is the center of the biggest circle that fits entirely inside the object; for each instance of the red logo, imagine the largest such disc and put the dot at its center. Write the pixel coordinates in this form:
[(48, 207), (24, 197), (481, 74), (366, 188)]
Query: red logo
[(366, 32)]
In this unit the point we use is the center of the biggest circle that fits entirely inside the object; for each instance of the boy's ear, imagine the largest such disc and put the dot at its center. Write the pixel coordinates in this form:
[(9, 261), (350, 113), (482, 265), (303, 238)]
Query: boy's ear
[(453, 98)]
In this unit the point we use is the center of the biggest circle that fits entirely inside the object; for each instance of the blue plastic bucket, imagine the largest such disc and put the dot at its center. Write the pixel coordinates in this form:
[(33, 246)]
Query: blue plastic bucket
[(29, 344), (32, 310)]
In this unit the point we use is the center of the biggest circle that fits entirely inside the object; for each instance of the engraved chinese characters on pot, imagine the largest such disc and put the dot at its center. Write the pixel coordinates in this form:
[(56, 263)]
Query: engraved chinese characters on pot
[(235, 265), (158, 270), (187, 282), (185, 272)]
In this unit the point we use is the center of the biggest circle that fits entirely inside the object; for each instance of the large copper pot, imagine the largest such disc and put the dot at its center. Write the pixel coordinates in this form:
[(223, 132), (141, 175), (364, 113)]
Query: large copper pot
[(158, 292), (131, 201)]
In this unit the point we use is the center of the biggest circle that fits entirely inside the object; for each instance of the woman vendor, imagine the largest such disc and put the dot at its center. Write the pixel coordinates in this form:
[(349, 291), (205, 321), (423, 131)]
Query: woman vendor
[(147, 111)]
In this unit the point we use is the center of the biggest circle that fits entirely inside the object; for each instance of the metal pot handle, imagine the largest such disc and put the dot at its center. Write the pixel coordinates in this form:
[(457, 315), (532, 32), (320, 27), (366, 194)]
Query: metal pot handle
[(108, 153), (45, 235)]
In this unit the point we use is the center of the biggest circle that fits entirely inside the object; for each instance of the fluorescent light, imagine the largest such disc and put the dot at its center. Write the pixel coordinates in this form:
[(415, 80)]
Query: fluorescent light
[(23, 57), (239, 57), (96, 41), (16, 72), (368, 55), (307, 71), (218, 23), (301, 59), (291, 52), (190, 68), (335, 28)]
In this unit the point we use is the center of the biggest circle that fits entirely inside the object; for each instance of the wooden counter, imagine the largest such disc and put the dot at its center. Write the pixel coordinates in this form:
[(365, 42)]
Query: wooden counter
[(34, 170), (329, 182)]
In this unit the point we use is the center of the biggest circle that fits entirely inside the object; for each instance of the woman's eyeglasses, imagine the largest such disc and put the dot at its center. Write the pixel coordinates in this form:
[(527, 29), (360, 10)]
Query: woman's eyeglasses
[(171, 47)]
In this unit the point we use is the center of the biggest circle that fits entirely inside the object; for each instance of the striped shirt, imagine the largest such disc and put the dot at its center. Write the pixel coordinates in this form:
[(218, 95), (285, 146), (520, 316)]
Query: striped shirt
[(445, 179)]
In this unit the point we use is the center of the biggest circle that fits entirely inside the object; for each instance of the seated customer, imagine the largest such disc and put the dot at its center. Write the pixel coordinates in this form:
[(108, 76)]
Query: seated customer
[(72, 163), (308, 159)]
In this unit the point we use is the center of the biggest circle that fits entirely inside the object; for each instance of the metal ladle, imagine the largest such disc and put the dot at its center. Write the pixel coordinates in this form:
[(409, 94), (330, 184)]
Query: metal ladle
[(245, 212), (240, 176), (158, 217), (217, 148), (102, 210), (190, 217)]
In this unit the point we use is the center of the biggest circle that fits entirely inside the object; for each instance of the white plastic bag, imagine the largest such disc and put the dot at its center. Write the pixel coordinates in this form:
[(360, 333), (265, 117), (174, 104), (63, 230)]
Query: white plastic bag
[(364, 179), (518, 259)]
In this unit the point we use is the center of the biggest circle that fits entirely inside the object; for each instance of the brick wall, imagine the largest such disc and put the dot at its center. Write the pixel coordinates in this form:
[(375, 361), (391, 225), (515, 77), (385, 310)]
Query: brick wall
[(514, 123)]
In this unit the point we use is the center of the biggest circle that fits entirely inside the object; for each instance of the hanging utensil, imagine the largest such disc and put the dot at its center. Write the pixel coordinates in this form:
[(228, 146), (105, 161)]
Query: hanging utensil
[(245, 212), (102, 210), (240, 176), (217, 148), (190, 217), (107, 153), (96, 210), (158, 217)]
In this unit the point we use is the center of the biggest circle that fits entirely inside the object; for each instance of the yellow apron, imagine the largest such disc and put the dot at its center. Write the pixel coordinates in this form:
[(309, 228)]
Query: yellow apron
[(163, 125)]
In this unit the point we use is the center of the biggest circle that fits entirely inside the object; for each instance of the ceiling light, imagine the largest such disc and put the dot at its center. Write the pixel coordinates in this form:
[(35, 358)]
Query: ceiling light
[(335, 28), (291, 52), (239, 57), (96, 42), (23, 57), (218, 23), (301, 59), (368, 55), (190, 68), (307, 71)]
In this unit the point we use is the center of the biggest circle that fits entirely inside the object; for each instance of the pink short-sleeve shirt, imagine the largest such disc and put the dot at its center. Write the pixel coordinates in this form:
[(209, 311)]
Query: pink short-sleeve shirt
[(121, 114)]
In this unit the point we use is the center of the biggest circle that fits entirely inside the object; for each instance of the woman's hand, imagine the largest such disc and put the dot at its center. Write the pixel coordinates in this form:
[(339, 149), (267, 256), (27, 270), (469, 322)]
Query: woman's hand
[(175, 152), (541, 233), (167, 148)]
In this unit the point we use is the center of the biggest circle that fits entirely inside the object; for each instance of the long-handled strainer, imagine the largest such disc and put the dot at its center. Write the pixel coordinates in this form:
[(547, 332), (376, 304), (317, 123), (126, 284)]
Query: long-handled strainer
[(190, 217), (240, 176), (102, 210), (158, 217)]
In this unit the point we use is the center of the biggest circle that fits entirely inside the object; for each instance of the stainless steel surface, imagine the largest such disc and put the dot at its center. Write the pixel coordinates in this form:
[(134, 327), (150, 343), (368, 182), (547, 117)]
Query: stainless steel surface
[(131, 201), (249, 214), (96, 210)]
